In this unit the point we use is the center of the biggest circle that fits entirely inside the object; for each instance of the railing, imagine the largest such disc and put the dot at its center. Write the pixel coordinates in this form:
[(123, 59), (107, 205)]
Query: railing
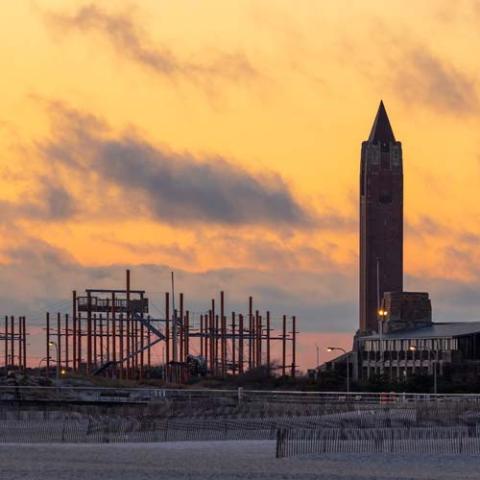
[(98, 304), (148, 395)]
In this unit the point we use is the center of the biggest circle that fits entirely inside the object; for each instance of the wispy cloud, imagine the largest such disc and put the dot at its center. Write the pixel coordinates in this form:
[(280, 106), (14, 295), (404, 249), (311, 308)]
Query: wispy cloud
[(400, 62), (129, 40), (422, 77), (425, 226)]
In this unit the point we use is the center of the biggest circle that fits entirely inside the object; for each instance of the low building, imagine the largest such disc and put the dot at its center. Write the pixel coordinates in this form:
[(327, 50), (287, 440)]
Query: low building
[(446, 347), (408, 342)]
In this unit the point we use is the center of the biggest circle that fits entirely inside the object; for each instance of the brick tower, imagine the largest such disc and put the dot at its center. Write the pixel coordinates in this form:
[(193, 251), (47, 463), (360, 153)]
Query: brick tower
[(381, 219)]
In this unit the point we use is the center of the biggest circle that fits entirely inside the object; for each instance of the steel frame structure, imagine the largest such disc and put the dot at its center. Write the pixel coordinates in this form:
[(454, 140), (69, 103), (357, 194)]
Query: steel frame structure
[(110, 332)]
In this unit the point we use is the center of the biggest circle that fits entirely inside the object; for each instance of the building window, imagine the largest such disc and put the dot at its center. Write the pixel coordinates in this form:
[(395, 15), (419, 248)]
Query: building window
[(385, 197)]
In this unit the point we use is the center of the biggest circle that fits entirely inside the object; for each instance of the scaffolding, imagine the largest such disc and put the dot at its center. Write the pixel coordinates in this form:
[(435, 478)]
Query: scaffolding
[(110, 332)]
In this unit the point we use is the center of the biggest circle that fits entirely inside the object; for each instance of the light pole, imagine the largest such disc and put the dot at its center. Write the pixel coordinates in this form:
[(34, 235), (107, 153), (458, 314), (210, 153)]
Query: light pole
[(331, 349), (53, 344), (40, 366), (318, 355), (413, 349), (435, 366), (382, 313)]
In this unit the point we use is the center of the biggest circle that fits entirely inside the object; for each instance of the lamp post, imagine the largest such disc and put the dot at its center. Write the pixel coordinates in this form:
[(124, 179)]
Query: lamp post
[(53, 344), (40, 364), (318, 355), (331, 349), (382, 313), (413, 349), (435, 366)]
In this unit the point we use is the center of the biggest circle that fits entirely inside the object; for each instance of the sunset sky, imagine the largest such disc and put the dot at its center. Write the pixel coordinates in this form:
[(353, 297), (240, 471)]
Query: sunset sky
[(221, 139)]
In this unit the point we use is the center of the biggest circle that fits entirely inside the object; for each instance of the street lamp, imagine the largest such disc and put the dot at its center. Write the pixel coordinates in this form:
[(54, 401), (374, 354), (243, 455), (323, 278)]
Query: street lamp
[(40, 366), (331, 349), (413, 349), (318, 355), (382, 313), (53, 344), (435, 366)]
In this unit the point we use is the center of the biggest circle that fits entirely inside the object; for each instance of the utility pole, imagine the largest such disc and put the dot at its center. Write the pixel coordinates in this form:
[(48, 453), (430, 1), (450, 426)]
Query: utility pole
[(174, 322)]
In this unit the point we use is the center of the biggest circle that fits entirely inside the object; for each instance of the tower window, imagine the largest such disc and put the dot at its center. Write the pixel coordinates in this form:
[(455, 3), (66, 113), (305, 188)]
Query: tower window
[(385, 197)]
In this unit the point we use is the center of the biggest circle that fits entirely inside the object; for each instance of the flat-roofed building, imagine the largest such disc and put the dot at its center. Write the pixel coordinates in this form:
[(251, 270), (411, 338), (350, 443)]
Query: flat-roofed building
[(445, 347)]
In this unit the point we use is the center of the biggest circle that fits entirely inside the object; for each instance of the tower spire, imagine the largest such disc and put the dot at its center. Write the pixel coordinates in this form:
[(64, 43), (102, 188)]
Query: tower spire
[(381, 130)]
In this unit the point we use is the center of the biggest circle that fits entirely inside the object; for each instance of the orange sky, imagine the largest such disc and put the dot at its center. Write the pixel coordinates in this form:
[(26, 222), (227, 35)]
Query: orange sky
[(244, 121)]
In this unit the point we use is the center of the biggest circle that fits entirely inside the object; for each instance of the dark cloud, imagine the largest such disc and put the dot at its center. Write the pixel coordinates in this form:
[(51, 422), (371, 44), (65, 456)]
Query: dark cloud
[(172, 187), (129, 40), (51, 203), (422, 77), (40, 276), (59, 204), (46, 258), (179, 188)]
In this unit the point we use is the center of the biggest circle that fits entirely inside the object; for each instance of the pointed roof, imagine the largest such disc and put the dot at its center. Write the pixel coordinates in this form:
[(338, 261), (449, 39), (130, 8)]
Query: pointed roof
[(381, 130)]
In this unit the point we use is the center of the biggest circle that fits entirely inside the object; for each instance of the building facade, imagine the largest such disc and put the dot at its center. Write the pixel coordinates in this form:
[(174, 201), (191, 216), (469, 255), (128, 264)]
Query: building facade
[(441, 349)]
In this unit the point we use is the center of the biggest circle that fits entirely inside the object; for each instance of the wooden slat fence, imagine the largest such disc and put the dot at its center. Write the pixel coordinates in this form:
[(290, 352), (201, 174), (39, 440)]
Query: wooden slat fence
[(418, 440), (60, 426), (34, 426)]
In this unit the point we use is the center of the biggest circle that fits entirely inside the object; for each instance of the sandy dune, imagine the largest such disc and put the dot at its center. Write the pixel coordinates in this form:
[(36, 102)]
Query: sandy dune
[(215, 460)]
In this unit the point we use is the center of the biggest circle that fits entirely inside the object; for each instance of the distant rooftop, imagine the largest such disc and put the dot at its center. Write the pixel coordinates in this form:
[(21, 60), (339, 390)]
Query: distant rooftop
[(436, 330)]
